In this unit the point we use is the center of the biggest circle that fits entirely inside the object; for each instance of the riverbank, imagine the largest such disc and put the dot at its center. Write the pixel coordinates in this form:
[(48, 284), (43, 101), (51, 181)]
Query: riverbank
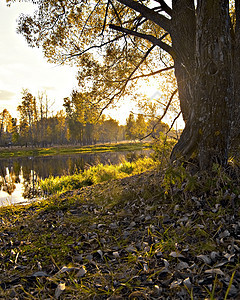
[(58, 150), (21, 176), (96, 174), (147, 236)]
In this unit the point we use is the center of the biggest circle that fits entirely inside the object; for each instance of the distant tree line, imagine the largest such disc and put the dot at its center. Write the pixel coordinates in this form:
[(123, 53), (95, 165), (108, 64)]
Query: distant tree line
[(77, 123)]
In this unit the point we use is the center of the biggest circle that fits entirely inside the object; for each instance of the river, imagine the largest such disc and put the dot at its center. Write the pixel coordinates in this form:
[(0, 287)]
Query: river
[(19, 175)]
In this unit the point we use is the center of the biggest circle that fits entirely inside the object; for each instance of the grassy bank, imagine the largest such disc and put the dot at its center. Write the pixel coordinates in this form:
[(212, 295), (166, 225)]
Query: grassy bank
[(148, 236), (27, 151), (96, 174)]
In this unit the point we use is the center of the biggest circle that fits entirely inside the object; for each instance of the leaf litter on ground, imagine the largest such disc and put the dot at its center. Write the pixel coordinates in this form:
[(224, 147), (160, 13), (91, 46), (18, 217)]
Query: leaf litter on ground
[(126, 239)]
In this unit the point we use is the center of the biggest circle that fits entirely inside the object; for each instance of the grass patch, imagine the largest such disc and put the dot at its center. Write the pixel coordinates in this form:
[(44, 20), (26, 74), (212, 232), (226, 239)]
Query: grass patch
[(96, 174), (16, 152)]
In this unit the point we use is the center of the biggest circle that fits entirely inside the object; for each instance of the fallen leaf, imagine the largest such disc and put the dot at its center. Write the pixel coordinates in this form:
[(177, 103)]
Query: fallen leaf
[(116, 254), (131, 249), (182, 265), (176, 255), (40, 274), (204, 258), (81, 272), (137, 294), (176, 283), (214, 271), (59, 290), (224, 234), (187, 282)]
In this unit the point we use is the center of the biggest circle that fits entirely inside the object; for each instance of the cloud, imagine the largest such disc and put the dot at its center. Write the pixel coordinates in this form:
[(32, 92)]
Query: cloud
[(6, 95)]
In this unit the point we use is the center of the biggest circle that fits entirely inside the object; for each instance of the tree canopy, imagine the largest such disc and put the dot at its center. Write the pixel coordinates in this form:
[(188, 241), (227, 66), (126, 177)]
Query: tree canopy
[(80, 32), (115, 42)]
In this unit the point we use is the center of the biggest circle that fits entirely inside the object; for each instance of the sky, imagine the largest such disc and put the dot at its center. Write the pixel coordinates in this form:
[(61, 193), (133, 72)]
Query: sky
[(22, 67)]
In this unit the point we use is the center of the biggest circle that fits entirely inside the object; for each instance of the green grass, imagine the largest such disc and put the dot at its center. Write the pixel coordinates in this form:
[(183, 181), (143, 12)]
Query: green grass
[(96, 174), (16, 152)]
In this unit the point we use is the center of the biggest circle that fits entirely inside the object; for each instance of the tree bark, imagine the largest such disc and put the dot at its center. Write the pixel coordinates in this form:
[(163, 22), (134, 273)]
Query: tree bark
[(183, 33), (208, 126), (236, 58), (214, 82)]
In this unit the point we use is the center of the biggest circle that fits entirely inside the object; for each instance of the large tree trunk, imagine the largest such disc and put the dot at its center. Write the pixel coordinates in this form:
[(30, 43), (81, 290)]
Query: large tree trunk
[(214, 82), (236, 59), (183, 42), (208, 126)]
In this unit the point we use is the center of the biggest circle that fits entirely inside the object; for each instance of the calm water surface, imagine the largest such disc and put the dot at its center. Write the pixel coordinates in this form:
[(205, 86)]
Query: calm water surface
[(19, 175)]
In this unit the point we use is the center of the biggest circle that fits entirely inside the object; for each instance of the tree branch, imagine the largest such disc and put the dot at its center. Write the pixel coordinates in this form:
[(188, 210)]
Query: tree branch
[(105, 18), (153, 73), (119, 93), (89, 16), (169, 103), (173, 122), (143, 75), (165, 7), (163, 115), (70, 56), (148, 13), (155, 41)]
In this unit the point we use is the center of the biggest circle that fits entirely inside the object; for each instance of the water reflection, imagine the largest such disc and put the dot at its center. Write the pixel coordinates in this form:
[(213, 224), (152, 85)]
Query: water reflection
[(12, 188), (19, 176)]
